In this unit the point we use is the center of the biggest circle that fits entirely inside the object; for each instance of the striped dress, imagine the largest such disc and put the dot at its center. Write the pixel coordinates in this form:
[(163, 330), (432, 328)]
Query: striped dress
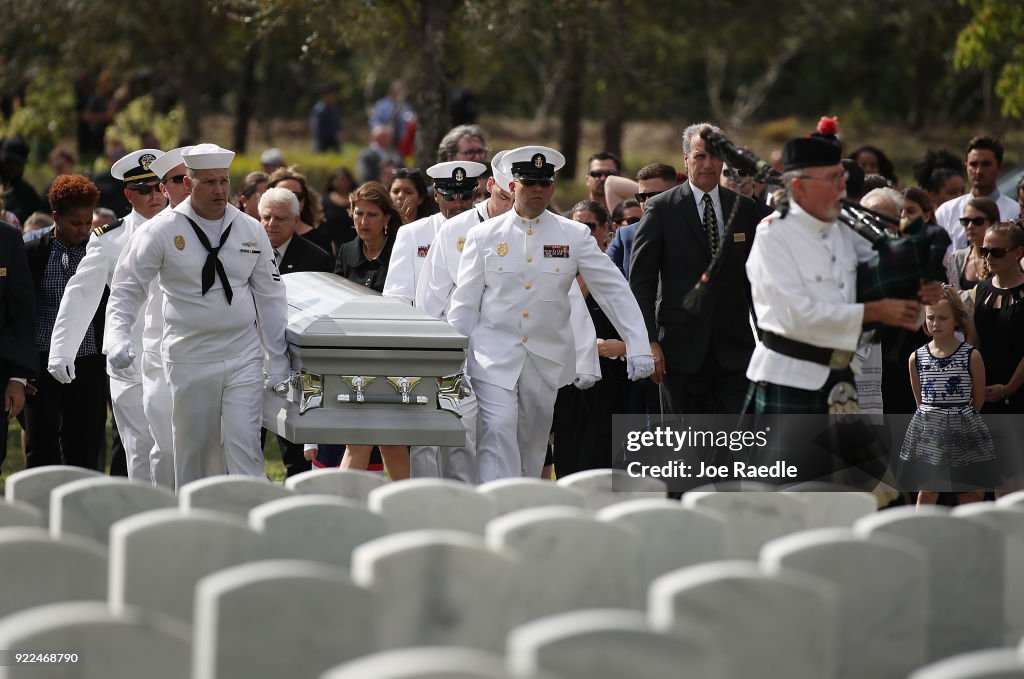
[(947, 446)]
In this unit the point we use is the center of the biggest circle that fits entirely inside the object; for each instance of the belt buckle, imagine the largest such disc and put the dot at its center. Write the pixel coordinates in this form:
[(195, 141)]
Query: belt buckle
[(840, 359)]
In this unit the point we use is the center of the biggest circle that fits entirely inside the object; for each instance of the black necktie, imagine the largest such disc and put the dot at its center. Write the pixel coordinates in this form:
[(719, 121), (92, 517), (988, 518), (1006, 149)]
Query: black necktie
[(710, 224), (212, 262)]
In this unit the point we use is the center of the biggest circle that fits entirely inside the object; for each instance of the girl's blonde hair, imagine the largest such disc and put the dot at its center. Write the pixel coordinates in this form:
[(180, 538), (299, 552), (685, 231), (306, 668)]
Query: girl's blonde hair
[(956, 305)]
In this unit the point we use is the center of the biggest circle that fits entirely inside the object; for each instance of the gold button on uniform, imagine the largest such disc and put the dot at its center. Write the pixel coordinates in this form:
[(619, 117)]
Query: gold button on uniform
[(526, 314), (525, 338), (529, 259), (529, 232), (529, 285)]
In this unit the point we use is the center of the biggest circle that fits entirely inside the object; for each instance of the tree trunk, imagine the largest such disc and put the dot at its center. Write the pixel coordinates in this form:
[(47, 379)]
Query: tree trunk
[(572, 97), (428, 93), (246, 88)]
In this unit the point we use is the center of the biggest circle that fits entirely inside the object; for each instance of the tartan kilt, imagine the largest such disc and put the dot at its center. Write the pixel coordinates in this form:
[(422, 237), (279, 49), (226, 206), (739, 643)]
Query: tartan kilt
[(777, 399)]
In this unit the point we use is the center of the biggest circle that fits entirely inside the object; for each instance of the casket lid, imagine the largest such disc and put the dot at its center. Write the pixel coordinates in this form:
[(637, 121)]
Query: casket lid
[(325, 310)]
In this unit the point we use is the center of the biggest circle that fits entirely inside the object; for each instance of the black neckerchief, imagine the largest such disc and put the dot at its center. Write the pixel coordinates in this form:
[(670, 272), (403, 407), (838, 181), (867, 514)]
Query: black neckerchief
[(212, 261)]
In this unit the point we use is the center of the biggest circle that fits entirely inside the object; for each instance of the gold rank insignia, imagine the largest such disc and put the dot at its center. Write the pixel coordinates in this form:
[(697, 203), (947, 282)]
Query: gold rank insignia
[(179, 242), (461, 243), (502, 249)]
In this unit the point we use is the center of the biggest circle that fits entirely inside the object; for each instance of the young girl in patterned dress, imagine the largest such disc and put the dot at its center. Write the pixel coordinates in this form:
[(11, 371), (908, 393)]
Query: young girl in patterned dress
[(947, 446)]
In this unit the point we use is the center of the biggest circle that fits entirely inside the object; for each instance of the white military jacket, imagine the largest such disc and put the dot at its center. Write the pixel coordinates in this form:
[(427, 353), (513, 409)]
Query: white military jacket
[(512, 295), (85, 289), (441, 269), (204, 328), (152, 315), (407, 256), (803, 279)]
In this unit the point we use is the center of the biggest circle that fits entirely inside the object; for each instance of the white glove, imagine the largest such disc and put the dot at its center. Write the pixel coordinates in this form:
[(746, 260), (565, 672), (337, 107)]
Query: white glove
[(274, 380), (585, 381), (639, 367), (121, 356), (62, 369)]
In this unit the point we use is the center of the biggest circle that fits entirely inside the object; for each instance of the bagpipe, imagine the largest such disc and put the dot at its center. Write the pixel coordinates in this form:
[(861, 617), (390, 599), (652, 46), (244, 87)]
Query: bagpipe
[(907, 254)]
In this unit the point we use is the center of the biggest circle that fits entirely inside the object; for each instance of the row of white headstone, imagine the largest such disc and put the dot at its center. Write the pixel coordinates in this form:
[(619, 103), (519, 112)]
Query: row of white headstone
[(720, 585)]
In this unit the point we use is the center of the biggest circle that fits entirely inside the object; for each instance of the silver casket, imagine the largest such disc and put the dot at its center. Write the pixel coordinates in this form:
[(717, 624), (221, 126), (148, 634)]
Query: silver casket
[(366, 369)]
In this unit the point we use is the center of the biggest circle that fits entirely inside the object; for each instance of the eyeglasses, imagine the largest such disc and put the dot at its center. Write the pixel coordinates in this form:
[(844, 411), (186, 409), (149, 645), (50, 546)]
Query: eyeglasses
[(643, 197), (597, 174), (997, 253), (177, 179), (475, 153), (468, 194), (836, 179), (145, 189), (626, 221), (405, 172), (974, 221)]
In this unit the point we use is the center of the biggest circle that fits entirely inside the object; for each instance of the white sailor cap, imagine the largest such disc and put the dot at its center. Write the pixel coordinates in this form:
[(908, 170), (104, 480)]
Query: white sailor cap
[(207, 157), (532, 162), (456, 175), (168, 161), (134, 168), (501, 177)]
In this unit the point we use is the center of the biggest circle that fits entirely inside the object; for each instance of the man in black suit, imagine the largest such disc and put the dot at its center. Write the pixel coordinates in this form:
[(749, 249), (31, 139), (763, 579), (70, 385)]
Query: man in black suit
[(700, 355), (279, 214), (19, 360)]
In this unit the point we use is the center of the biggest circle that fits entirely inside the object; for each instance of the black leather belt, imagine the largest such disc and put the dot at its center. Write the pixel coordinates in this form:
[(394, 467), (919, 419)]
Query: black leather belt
[(834, 359)]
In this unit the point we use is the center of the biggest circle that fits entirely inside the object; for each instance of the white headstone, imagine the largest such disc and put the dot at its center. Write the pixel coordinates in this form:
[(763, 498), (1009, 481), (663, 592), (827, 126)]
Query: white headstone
[(607, 644), (441, 588), (671, 536), (19, 514), (157, 557), (752, 518), (780, 625), (569, 559), (135, 643), (994, 663), (514, 494), (602, 487), (277, 619), (836, 509), (966, 575), (424, 663), (432, 503), (34, 485), (316, 527), (882, 585), (36, 569), (352, 484), (230, 494), (1009, 520), (88, 507)]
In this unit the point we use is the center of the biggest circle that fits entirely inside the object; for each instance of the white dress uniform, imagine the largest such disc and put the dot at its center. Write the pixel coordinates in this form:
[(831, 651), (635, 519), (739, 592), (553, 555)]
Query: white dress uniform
[(77, 307), (803, 279), (512, 301), (407, 256), (211, 349), (156, 392)]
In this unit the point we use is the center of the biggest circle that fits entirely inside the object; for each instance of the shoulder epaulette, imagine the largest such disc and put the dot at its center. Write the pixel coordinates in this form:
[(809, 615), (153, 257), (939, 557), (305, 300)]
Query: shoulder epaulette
[(100, 230)]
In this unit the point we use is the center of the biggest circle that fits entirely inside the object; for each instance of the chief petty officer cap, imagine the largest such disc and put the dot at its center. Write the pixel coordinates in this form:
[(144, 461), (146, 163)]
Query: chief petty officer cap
[(820, 149), (168, 161), (532, 162), (501, 177), (456, 175), (207, 157), (134, 169)]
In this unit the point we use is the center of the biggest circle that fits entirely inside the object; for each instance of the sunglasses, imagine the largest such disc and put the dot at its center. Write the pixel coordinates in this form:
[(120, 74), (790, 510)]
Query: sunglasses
[(597, 174), (536, 182), (457, 195), (628, 220), (997, 253), (591, 225), (145, 189), (299, 195), (642, 197), (177, 179), (734, 174), (975, 221)]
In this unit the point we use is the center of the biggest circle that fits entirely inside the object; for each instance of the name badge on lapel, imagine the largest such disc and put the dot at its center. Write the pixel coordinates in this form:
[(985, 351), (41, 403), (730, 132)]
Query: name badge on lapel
[(561, 251), (739, 237)]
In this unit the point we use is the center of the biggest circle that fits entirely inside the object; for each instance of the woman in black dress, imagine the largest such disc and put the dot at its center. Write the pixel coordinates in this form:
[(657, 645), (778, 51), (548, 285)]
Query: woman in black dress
[(337, 220)]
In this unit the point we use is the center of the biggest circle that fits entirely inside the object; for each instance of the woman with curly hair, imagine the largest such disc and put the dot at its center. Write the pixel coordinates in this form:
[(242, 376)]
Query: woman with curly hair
[(65, 423), (311, 209)]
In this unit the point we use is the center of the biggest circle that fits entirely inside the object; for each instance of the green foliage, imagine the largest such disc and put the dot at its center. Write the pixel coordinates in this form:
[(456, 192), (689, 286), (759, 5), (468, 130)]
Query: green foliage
[(995, 37), (47, 113), (140, 116)]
